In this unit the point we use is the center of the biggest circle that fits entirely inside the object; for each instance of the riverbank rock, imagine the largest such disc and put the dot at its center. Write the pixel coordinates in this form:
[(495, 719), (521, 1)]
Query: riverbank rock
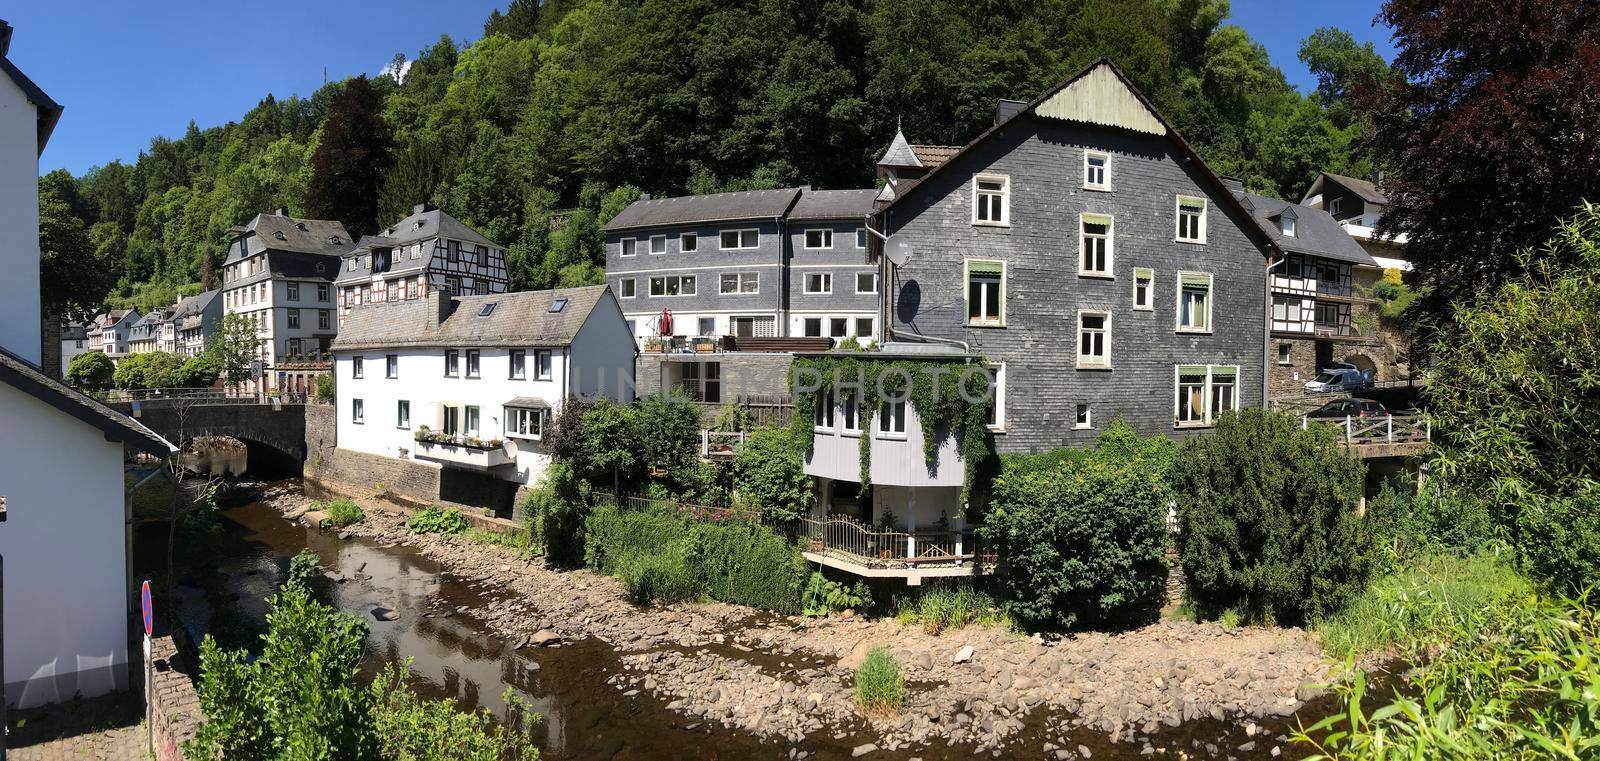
[(544, 638), (964, 654), (385, 614)]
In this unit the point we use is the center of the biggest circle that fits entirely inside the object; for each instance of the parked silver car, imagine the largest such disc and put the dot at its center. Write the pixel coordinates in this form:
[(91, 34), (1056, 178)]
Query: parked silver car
[(1340, 377)]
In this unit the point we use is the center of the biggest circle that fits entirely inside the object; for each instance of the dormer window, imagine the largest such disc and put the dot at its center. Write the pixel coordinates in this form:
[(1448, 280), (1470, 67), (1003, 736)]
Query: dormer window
[(301, 226), (334, 240), (279, 235), (1286, 224)]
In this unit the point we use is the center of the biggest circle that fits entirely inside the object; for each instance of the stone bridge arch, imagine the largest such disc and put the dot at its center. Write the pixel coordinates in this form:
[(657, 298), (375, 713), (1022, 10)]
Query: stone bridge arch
[(281, 430)]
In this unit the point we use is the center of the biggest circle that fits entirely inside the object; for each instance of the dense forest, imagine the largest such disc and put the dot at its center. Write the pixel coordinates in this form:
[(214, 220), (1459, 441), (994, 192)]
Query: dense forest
[(566, 109)]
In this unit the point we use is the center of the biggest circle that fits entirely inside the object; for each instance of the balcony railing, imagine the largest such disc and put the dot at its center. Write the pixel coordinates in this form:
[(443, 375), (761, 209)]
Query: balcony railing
[(1334, 287), (1340, 329), (848, 539), (1385, 429), (480, 457)]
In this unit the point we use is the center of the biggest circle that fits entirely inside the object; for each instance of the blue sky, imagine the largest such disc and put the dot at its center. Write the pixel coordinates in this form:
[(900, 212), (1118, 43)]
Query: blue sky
[(128, 71)]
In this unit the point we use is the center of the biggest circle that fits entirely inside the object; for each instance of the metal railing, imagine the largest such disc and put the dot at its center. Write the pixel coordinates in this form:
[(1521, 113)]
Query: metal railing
[(198, 396), (846, 538), (1385, 429)]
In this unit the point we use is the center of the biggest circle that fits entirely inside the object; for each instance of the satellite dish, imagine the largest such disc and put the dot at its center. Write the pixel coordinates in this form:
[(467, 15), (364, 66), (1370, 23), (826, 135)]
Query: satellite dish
[(898, 250)]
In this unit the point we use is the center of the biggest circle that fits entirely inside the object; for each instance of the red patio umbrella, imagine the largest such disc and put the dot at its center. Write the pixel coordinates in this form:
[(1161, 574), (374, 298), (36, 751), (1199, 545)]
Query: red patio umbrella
[(665, 323)]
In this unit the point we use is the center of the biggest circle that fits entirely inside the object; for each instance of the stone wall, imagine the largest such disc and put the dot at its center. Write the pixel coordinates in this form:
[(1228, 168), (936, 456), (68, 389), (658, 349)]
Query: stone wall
[(326, 462), (174, 706)]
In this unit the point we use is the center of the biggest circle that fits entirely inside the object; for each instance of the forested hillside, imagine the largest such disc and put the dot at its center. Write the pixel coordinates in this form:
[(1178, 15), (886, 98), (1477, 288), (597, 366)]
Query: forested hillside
[(563, 111)]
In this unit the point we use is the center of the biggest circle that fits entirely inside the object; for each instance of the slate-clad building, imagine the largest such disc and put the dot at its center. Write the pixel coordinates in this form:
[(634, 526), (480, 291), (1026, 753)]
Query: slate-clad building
[(1091, 256), (764, 263), (427, 252)]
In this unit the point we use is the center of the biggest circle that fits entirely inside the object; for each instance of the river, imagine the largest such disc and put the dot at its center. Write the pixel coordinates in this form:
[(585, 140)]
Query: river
[(584, 716)]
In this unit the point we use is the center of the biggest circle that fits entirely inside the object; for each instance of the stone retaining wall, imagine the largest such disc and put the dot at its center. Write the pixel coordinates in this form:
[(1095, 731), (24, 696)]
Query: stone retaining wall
[(174, 706), (325, 461)]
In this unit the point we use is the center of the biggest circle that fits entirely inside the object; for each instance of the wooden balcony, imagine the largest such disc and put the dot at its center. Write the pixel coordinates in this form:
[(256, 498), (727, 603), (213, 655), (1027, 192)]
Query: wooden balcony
[(846, 544)]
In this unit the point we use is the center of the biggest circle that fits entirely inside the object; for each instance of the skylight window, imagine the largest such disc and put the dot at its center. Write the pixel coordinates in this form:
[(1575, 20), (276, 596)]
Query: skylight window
[(487, 309), (558, 305), (279, 235)]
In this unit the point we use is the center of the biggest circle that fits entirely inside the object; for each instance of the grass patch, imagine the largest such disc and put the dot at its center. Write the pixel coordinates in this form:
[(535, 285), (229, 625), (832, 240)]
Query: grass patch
[(661, 577), (341, 512), (520, 542), (879, 686), (949, 607), (438, 520), (1426, 605)]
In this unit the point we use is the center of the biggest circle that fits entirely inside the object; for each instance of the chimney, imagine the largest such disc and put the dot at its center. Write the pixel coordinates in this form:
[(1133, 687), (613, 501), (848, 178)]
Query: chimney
[(1007, 108), (644, 196), (423, 207), (5, 38), (440, 305), (282, 211)]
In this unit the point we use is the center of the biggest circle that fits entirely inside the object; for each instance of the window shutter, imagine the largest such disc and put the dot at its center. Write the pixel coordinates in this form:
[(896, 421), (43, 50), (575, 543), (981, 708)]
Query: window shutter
[(1224, 373), (1203, 281), (978, 267), (1144, 273), (1191, 369)]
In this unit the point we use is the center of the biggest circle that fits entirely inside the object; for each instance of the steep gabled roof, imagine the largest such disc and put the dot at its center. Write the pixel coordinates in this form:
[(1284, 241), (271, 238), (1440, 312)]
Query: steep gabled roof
[(932, 156), (273, 231), (899, 152), (25, 377), (1363, 188), (49, 110), (1315, 231), (429, 221), (517, 319), (1099, 94), (715, 207)]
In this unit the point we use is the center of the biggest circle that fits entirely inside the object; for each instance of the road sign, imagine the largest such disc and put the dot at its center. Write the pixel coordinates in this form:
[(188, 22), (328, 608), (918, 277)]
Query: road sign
[(146, 608)]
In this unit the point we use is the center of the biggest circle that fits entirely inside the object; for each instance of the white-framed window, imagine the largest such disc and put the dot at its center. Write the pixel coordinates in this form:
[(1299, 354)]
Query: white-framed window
[(822, 415), (707, 326), (811, 327), (452, 362), (630, 246), (851, 409), (1335, 206), (819, 282), (688, 243), (294, 319), (391, 366), (892, 420), (997, 397), (734, 240), (402, 413), (357, 368), (322, 293), (451, 419), (1286, 224), (819, 238), (518, 365), (741, 282), (1194, 302), (1203, 392), (866, 282), (838, 327), (1095, 244), (864, 327), (1094, 339), (658, 244), (1191, 213), (474, 418), (474, 363), (524, 423), (672, 285), (629, 287), (861, 237), (294, 291), (1096, 170), (324, 319), (991, 200), (1285, 354), (986, 292), (358, 411), (542, 364), (1143, 295), (1084, 417)]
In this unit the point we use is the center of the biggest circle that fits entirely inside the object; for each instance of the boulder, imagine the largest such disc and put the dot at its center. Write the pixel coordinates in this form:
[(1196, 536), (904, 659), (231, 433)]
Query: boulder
[(964, 654), (385, 614), (544, 638)]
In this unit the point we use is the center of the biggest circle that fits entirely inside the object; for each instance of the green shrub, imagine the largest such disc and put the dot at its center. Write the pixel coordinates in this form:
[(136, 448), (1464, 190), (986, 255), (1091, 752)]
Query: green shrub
[(1430, 519), (879, 686), (325, 388), (91, 370), (409, 727), (1267, 522), (1082, 541), (438, 520), (824, 596), (1420, 607), (748, 565), (769, 473), (342, 512), (303, 567), (661, 577), (1560, 540), (1516, 685), (611, 532)]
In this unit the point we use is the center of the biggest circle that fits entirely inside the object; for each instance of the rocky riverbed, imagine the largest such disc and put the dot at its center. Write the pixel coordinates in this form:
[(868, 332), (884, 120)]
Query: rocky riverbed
[(1173, 689)]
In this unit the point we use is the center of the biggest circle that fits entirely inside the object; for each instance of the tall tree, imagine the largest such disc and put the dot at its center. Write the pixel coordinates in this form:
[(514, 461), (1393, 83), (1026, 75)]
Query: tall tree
[(348, 168), (72, 278), (1487, 134), (521, 20)]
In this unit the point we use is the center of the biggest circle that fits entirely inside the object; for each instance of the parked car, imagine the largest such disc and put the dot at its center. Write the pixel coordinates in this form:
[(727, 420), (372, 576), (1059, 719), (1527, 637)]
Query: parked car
[(1340, 378), (1340, 409)]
